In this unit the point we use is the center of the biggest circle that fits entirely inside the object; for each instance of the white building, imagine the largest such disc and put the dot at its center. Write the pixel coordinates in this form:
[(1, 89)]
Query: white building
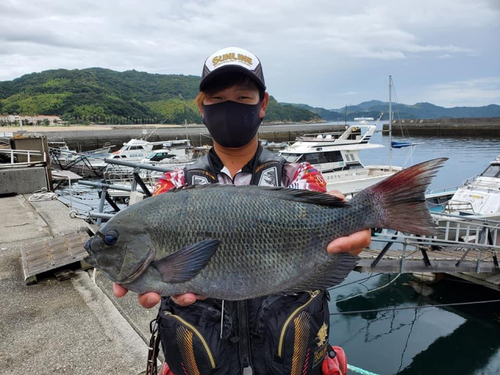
[(30, 120)]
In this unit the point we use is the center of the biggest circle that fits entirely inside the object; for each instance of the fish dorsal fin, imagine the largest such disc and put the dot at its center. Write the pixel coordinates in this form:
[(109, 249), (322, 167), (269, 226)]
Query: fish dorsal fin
[(308, 196), (298, 195), (186, 263), (329, 274)]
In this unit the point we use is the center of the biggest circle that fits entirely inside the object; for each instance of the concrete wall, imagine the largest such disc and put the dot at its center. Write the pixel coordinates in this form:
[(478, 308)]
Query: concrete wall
[(22, 180), (472, 127)]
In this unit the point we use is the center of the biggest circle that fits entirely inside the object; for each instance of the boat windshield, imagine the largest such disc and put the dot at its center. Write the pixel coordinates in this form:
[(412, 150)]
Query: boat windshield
[(492, 171), (291, 158)]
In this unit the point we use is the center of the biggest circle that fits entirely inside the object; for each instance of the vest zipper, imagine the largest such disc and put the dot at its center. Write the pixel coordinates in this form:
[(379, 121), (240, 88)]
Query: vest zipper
[(313, 295), (244, 337), (197, 333)]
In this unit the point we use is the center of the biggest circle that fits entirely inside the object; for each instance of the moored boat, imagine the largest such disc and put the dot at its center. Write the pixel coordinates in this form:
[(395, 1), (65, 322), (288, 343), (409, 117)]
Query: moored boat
[(336, 156)]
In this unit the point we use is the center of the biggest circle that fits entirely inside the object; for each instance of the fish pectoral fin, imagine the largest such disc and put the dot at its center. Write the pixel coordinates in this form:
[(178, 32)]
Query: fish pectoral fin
[(186, 263)]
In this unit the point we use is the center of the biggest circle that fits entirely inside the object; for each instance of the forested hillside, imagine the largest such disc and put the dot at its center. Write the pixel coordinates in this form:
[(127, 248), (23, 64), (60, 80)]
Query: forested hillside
[(103, 95)]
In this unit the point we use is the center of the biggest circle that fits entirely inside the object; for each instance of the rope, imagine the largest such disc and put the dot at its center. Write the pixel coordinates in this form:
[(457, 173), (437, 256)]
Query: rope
[(359, 370), (369, 291), (418, 307), (42, 195)]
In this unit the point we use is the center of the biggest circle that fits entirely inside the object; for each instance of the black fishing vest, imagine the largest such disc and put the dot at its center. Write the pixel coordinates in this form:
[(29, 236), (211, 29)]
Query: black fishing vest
[(277, 334), (267, 170)]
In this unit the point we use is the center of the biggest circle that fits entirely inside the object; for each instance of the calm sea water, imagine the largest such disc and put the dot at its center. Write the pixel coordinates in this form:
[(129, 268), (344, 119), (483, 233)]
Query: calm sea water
[(439, 340)]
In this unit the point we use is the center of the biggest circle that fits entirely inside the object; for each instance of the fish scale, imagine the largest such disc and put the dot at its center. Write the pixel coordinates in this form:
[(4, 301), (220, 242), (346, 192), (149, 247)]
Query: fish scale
[(239, 242)]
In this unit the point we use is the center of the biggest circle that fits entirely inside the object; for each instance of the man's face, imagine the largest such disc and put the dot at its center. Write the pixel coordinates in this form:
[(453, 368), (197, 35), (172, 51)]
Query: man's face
[(244, 94)]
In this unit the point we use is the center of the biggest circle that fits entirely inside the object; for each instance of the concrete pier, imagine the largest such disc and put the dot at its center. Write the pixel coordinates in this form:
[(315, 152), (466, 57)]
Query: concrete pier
[(57, 327)]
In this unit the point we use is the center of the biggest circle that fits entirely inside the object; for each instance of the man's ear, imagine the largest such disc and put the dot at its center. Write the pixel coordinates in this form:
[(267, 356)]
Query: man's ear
[(263, 107)]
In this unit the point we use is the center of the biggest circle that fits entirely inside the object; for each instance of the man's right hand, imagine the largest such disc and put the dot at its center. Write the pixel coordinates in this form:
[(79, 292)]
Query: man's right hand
[(151, 299)]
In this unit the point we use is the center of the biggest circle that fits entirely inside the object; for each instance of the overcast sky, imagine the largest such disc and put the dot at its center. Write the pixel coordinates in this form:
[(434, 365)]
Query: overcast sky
[(323, 53)]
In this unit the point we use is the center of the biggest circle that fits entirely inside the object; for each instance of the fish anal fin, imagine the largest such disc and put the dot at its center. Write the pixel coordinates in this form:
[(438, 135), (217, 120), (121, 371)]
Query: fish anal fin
[(329, 274), (186, 263)]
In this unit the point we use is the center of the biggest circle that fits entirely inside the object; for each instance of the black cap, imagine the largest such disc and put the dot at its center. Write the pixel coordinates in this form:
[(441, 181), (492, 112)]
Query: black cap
[(232, 59)]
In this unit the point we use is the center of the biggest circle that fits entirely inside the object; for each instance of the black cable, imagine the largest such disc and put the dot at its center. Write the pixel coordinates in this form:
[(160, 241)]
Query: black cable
[(417, 307)]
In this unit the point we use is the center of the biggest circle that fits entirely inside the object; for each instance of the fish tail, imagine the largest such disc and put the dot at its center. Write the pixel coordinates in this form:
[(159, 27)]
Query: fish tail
[(398, 202)]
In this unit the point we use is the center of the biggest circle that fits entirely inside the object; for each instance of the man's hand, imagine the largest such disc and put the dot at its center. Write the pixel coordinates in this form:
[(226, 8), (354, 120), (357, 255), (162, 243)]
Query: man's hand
[(354, 243), (151, 299)]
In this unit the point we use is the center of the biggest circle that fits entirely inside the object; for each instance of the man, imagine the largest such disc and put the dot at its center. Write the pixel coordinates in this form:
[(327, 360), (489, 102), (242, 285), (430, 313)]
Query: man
[(278, 334)]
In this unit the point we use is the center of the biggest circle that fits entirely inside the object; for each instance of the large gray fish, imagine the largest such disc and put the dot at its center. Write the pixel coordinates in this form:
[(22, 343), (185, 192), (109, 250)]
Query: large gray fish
[(240, 242)]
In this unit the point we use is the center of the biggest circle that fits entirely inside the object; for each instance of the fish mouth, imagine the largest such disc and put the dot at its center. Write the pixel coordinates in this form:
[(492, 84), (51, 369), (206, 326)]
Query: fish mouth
[(140, 270), (89, 258)]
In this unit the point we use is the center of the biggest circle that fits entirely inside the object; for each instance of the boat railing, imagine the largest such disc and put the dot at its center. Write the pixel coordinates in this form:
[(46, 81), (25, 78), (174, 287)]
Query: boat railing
[(320, 137), (459, 206), (30, 157), (443, 190)]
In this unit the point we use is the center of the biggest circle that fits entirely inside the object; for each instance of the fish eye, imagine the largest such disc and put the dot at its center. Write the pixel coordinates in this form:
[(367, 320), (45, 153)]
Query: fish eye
[(110, 238)]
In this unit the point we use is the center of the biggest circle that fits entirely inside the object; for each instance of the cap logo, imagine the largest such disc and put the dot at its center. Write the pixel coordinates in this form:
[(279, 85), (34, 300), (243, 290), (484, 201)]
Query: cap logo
[(231, 57)]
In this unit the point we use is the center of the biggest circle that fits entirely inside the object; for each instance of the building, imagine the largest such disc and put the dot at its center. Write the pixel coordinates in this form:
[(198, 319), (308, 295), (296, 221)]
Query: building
[(30, 120)]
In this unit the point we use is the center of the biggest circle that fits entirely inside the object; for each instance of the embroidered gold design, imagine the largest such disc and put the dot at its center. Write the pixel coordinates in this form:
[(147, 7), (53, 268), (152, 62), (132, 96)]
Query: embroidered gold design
[(302, 327), (322, 334), (231, 57)]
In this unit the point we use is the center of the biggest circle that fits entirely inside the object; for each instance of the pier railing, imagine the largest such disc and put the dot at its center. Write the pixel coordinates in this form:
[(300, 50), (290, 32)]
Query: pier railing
[(137, 185), (30, 156), (462, 245)]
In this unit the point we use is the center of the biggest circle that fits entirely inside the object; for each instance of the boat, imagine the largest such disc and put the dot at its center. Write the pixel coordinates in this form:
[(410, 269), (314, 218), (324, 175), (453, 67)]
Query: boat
[(136, 149), (475, 203), (336, 156), (174, 152), (478, 197)]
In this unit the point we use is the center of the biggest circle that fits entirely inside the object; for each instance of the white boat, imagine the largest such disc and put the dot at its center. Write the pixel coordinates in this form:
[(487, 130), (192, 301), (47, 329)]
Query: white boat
[(144, 152), (336, 156), (479, 197), (172, 154), (136, 150)]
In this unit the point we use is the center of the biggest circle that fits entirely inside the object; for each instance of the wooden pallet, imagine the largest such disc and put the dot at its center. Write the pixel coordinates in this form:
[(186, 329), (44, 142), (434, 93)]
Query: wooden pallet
[(53, 253)]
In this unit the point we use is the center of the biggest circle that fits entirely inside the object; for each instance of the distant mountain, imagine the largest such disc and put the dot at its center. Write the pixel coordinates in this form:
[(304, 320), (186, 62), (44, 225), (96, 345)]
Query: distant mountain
[(374, 108), (325, 114), (104, 95)]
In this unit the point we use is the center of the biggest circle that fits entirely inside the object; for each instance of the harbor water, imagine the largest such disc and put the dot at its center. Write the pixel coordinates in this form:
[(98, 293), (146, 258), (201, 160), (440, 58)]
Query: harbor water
[(403, 339), (382, 324)]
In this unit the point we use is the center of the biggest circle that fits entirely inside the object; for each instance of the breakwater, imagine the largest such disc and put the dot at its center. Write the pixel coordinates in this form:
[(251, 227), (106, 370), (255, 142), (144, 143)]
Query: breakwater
[(472, 127), (92, 137)]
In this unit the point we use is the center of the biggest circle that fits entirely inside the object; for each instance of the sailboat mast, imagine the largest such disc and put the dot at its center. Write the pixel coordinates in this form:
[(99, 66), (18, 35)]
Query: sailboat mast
[(390, 123)]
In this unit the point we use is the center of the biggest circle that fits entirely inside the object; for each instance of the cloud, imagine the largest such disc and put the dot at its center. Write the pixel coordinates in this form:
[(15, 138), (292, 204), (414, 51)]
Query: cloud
[(473, 92), (320, 40)]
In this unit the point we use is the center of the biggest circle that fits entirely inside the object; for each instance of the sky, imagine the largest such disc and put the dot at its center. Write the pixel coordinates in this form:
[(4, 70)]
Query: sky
[(326, 54)]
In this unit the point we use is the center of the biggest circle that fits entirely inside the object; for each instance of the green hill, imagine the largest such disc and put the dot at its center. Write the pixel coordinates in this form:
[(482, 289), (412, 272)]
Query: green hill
[(103, 95)]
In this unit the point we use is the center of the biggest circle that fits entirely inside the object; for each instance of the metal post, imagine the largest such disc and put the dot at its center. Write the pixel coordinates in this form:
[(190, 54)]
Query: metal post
[(403, 255), (390, 123), (104, 192)]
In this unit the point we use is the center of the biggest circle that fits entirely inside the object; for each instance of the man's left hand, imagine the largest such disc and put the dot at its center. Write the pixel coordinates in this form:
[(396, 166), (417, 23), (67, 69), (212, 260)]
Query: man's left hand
[(354, 243)]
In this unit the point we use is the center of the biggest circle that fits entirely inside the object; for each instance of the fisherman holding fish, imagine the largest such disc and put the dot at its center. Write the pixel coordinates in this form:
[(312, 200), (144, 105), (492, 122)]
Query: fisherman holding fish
[(243, 244), (233, 103)]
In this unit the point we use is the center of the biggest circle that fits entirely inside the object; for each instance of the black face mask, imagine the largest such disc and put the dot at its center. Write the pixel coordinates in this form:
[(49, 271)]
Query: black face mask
[(232, 124)]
